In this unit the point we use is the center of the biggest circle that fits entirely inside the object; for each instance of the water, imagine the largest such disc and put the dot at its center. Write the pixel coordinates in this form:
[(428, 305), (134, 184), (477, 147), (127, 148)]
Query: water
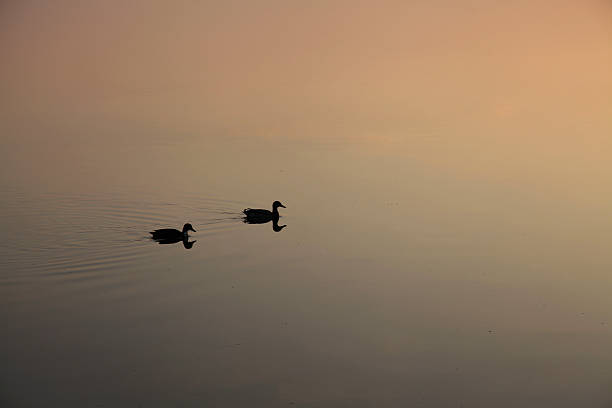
[(447, 230), (431, 290)]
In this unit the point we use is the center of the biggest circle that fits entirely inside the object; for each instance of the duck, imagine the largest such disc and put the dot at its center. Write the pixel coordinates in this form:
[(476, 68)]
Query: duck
[(258, 216), (171, 234)]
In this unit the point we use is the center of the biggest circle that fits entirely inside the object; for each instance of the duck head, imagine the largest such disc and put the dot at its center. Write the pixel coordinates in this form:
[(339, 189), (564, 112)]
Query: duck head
[(187, 227), (277, 204)]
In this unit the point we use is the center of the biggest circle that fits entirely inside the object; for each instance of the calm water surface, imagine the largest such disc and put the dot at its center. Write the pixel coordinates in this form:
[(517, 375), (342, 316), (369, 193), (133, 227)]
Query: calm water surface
[(392, 282), (445, 168)]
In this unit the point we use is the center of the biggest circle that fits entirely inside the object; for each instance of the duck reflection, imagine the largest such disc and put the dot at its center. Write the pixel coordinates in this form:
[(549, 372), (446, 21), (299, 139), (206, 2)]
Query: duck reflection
[(186, 243), (275, 226)]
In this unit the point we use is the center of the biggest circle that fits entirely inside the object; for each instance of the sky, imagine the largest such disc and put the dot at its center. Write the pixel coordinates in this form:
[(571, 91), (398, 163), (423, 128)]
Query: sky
[(523, 84), (365, 62)]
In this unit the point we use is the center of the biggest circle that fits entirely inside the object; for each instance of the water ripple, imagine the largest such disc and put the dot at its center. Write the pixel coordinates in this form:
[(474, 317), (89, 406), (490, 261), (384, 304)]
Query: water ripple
[(88, 236)]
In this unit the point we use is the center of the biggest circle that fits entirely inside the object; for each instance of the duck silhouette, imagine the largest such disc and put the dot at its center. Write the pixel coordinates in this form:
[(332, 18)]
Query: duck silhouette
[(261, 216), (258, 216), (172, 236)]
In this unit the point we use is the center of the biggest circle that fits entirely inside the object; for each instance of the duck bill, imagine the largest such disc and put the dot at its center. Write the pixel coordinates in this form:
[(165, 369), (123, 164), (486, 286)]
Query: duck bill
[(191, 229), (282, 206)]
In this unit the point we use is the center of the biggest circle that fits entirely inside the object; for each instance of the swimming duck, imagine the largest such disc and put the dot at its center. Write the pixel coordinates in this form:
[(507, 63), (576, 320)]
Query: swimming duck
[(257, 216), (170, 234)]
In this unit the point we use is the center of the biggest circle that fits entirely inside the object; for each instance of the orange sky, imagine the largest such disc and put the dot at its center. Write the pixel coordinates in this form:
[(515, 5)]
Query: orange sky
[(458, 84), (246, 62)]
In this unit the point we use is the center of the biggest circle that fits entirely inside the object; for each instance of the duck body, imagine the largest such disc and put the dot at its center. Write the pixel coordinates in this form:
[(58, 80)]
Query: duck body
[(167, 233), (257, 216), (260, 216), (171, 234)]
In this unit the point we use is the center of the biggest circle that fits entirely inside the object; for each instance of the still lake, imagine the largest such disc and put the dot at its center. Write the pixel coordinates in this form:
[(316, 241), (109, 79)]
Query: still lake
[(395, 281)]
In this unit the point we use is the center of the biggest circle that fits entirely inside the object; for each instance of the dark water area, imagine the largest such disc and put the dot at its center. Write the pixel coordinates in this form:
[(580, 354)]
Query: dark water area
[(385, 287)]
